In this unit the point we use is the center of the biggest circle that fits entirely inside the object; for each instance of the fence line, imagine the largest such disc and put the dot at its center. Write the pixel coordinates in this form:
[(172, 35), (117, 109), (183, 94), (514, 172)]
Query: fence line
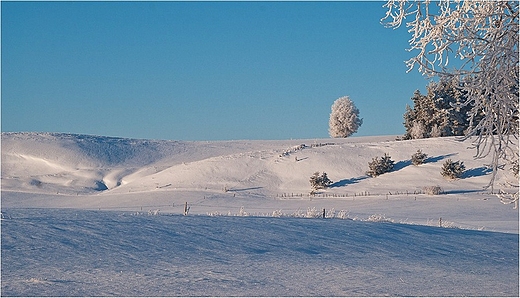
[(369, 194), (316, 213), (284, 196)]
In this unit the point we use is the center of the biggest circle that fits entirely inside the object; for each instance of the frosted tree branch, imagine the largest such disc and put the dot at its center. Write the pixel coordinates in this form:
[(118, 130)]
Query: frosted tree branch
[(475, 43)]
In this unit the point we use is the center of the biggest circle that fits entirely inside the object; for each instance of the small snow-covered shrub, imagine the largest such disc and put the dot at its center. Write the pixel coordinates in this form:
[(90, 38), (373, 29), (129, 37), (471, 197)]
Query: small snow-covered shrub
[(380, 166), (379, 218), (419, 157), (441, 223), (342, 214), (154, 212), (319, 181), (313, 213), (277, 213), (242, 212), (298, 213), (432, 190), (437, 131), (331, 213), (452, 169)]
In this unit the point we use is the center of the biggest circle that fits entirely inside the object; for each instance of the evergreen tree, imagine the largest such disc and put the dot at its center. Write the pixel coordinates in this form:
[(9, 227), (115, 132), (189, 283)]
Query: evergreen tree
[(419, 157), (319, 181), (452, 169), (475, 44), (380, 166), (441, 112)]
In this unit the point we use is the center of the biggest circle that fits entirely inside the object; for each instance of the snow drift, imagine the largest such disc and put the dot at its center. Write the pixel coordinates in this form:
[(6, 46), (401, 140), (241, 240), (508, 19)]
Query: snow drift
[(50, 252)]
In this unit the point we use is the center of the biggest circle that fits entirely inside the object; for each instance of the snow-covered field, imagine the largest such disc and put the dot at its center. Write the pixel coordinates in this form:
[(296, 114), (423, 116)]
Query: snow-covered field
[(90, 216)]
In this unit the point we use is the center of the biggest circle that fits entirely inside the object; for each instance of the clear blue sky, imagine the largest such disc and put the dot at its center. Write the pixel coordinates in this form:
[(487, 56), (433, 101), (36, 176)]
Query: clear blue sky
[(201, 70)]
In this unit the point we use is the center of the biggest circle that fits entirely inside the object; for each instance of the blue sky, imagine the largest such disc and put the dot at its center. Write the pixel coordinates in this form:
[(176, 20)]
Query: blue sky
[(201, 70)]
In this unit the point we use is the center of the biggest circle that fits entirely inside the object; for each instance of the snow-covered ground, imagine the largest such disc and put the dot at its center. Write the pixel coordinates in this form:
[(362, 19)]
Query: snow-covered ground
[(87, 215), (92, 253)]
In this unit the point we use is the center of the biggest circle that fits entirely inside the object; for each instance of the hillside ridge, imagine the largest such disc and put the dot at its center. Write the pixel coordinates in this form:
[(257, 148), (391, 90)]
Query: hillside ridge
[(69, 163)]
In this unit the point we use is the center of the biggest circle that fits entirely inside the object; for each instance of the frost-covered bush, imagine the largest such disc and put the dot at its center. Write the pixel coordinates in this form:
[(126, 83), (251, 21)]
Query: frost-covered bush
[(154, 212), (419, 157), (344, 118), (380, 166), (319, 181), (418, 131), (432, 190), (242, 212), (452, 169), (379, 218), (313, 213), (310, 213), (331, 213), (342, 214), (277, 213)]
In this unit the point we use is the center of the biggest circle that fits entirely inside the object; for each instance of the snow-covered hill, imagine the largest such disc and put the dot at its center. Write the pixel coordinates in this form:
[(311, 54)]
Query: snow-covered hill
[(100, 216), (71, 164), (220, 177), (79, 164)]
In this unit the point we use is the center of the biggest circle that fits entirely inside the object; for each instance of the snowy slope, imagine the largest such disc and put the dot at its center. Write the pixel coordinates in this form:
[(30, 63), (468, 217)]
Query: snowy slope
[(78, 171), (65, 163), (69, 164), (50, 252), (100, 216)]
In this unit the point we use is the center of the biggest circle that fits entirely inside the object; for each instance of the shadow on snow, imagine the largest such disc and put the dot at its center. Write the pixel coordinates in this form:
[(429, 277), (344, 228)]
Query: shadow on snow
[(476, 172), (245, 189), (405, 163), (401, 165), (345, 182), (439, 158)]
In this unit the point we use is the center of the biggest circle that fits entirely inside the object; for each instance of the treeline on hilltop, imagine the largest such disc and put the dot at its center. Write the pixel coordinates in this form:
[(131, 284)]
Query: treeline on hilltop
[(441, 112), (444, 111)]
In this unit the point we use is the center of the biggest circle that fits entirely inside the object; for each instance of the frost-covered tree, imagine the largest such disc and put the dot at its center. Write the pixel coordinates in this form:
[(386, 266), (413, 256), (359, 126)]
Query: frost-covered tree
[(453, 169), (380, 166), (439, 113), (344, 118), (418, 131), (319, 181), (476, 44), (419, 157)]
